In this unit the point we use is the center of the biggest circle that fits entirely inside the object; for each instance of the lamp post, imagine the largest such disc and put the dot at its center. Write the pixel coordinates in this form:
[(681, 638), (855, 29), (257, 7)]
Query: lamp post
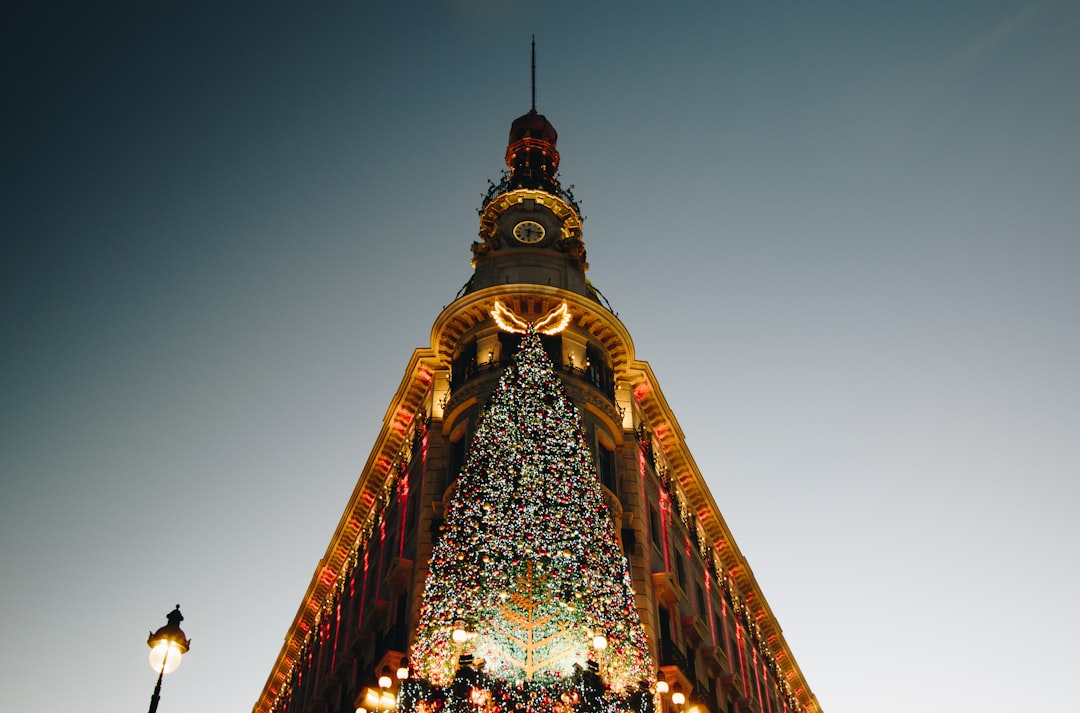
[(384, 699), (678, 698), (167, 645)]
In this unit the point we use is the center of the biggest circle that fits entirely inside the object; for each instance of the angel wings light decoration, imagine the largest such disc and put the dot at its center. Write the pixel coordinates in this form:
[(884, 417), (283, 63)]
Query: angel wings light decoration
[(553, 322)]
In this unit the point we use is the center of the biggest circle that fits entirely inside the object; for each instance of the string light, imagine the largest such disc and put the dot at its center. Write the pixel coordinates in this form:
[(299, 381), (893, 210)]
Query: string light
[(528, 554), (569, 557)]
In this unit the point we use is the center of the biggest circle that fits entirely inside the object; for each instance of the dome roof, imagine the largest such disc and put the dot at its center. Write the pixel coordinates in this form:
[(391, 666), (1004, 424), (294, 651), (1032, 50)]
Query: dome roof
[(533, 125)]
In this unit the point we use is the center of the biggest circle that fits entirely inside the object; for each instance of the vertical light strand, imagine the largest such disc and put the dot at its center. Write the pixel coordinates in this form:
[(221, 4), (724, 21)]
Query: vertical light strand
[(742, 657), (337, 633), (403, 510), (708, 603), (363, 591), (665, 515), (727, 639), (757, 671), (380, 572)]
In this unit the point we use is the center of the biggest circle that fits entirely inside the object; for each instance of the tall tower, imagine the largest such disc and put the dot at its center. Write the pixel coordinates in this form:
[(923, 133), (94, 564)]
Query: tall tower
[(708, 638)]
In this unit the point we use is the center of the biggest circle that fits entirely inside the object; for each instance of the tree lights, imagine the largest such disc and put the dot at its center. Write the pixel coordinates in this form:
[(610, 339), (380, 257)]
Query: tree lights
[(528, 604)]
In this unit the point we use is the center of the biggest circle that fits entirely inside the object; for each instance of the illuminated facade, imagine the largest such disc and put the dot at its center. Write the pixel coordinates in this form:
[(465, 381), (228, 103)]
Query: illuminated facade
[(710, 636)]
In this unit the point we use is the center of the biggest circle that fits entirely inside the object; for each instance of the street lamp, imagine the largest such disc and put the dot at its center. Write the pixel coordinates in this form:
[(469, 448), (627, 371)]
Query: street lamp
[(167, 645), (677, 696), (459, 633), (384, 678)]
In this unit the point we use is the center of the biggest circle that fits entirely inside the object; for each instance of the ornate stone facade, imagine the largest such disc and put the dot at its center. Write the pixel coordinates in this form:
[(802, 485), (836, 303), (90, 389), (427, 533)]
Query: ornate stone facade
[(708, 623)]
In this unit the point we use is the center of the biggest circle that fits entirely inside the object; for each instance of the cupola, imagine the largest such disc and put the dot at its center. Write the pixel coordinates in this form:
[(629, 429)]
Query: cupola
[(531, 154)]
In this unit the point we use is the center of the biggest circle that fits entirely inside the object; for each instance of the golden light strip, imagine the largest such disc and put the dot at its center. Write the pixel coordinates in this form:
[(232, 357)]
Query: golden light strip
[(552, 323)]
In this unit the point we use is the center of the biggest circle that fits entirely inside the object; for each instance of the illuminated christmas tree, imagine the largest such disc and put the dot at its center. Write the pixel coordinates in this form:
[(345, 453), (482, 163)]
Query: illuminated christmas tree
[(528, 604)]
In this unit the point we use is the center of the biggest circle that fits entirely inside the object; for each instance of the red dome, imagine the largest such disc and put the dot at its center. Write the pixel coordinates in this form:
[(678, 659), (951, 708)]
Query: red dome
[(533, 125)]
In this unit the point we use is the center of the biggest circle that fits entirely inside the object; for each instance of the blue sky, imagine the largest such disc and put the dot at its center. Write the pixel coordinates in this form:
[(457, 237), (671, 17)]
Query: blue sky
[(845, 235)]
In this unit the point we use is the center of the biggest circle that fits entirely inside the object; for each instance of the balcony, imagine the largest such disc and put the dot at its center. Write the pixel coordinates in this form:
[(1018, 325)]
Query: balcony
[(399, 575), (603, 379), (677, 675), (733, 684), (716, 660), (695, 630), (749, 705), (466, 370), (523, 178), (667, 590)]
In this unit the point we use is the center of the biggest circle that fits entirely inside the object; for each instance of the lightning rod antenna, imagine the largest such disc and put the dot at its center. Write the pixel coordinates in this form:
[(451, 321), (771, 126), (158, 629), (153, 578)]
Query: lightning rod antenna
[(534, 73)]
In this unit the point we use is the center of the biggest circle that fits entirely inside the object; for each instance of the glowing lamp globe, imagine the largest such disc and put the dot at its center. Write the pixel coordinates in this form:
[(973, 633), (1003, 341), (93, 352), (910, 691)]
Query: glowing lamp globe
[(165, 656), (168, 644), (599, 642), (678, 697), (460, 635)]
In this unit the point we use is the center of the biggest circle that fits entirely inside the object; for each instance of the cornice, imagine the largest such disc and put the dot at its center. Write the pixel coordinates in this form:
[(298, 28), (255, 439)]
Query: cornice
[(530, 300), (404, 406), (685, 471), (461, 316)]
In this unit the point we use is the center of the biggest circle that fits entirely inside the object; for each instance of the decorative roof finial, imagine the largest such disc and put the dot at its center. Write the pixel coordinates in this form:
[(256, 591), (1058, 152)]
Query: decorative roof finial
[(534, 72)]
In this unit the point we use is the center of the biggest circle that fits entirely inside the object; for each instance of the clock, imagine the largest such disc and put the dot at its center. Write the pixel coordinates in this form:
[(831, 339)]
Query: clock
[(528, 232)]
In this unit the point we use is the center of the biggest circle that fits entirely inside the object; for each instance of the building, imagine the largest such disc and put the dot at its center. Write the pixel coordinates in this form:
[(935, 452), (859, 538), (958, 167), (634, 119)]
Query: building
[(709, 630)]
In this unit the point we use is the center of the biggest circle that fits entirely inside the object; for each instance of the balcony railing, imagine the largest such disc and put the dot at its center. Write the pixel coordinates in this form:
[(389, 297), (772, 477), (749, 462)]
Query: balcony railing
[(670, 655), (526, 179), (468, 371)]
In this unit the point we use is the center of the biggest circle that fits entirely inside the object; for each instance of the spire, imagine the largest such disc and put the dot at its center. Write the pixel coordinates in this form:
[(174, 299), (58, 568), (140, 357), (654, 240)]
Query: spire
[(529, 208), (531, 153)]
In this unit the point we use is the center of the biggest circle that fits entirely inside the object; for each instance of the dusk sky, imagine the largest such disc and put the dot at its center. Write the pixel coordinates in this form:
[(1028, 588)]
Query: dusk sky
[(845, 235)]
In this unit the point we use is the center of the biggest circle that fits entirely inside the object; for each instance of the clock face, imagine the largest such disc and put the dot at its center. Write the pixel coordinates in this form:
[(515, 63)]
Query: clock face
[(528, 231)]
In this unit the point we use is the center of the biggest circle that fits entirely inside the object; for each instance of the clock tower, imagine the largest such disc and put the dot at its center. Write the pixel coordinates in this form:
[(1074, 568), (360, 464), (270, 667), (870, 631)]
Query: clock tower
[(363, 640), (530, 226)]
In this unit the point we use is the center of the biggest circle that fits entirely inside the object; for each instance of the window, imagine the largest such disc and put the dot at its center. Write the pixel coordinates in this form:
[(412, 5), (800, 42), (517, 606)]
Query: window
[(598, 372), (457, 456), (399, 634), (413, 505), (666, 645), (510, 343), (605, 466), (654, 526), (464, 365), (553, 346)]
